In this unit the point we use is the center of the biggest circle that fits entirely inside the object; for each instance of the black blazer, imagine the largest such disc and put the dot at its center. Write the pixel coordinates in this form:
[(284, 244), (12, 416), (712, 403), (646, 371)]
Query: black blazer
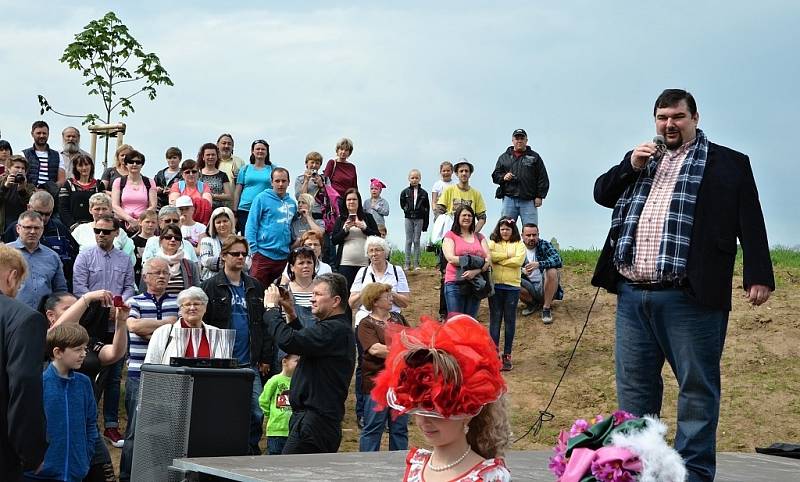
[(23, 434), (420, 210), (727, 208)]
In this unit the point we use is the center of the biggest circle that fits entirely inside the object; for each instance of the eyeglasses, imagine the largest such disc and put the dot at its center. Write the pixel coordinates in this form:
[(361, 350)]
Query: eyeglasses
[(192, 304), (103, 231), (237, 254), (138, 162), (30, 228), (190, 171), (45, 214), (171, 221), (171, 237)]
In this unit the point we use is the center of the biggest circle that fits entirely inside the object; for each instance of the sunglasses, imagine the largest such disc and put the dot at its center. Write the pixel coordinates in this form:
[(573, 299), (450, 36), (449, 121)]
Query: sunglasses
[(236, 254), (303, 249), (171, 221), (190, 171), (171, 237), (138, 162), (508, 222), (103, 231)]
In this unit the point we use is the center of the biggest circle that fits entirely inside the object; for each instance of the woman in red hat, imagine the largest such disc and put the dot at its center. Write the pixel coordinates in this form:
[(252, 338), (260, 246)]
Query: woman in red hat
[(448, 377)]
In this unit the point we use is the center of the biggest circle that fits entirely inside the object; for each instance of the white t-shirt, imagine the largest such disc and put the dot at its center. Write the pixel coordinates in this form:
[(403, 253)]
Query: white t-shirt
[(441, 185), (530, 257), (192, 233)]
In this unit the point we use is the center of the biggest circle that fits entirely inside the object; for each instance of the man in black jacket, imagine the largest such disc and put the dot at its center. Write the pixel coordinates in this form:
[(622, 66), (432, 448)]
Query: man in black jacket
[(44, 164), (669, 257), (327, 359), (236, 301), (522, 178), (23, 440)]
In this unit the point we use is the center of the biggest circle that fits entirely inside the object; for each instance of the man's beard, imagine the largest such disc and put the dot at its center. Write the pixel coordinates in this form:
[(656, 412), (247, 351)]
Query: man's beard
[(72, 147)]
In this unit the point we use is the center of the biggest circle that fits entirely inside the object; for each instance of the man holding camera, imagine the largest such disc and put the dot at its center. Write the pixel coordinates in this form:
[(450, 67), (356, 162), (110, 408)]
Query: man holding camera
[(15, 191)]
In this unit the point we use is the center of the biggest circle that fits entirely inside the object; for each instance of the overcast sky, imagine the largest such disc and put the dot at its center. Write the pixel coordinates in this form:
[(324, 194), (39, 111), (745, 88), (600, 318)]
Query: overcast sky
[(416, 83)]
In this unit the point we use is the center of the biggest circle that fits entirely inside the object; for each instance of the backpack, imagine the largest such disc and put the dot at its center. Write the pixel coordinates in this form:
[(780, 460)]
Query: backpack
[(124, 180), (330, 203)]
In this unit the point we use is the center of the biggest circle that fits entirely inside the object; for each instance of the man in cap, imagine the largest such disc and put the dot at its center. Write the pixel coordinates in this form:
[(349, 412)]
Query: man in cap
[(522, 178)]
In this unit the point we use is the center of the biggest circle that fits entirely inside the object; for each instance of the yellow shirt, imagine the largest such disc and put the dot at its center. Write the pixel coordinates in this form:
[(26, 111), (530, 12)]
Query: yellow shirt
[(452, 197), (507, 260), (231, 168)]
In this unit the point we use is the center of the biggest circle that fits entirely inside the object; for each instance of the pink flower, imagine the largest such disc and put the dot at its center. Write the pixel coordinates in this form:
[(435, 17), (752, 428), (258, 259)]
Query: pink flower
[(621, 416), (615, 464), (557, 465), (578, 427), (599, 418)]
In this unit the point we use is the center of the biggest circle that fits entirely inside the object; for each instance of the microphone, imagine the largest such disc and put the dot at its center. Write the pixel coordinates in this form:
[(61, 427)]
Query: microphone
[(661, 148)]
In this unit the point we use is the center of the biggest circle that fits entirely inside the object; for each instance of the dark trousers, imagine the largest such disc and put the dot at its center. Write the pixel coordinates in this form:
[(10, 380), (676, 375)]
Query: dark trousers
[(266, 270), (503, 310), (311, 433), (442, 263), (349, 272)]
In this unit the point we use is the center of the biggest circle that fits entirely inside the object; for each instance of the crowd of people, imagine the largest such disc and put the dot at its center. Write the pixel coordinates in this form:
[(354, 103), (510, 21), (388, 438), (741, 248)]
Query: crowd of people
[(304, 279), (205, 243)]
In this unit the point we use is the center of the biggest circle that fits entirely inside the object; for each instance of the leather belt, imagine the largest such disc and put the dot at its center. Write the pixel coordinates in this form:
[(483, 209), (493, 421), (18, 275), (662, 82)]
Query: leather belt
[(658, 285)]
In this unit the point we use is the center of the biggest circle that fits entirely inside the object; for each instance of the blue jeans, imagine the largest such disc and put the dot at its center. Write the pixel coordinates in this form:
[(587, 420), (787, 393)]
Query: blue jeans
[(256, 415), (654, 326), (514, 207), (374, 425), (503, 309), (275, 445), (111, 395), (457, 303)]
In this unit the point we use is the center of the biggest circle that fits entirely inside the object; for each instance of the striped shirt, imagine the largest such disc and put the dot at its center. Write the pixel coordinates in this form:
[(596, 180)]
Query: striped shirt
[(175, 284), (147, 306), (654, 215), (302, 298)]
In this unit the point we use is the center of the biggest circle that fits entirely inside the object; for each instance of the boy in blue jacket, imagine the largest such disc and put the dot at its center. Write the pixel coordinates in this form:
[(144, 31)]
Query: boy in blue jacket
[(69, 406)]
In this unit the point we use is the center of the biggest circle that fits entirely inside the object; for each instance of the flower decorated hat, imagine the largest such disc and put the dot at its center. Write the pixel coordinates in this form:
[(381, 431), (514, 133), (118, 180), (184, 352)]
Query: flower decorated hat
[(448, 370)]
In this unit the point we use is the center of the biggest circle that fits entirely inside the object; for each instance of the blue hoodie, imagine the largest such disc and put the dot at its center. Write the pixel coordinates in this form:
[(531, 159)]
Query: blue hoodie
[(269, 225), (71, 413)]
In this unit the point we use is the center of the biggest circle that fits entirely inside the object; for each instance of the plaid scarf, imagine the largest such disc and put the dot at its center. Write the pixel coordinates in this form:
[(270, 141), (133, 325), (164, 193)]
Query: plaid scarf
[(674, 248)]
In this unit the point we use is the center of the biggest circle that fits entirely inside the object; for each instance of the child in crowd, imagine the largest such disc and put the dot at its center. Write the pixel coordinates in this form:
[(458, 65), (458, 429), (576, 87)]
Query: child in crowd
[(274, 402), (148, 222), (171, 174), (415, 206), (69, 407), (376, 205), (446, 173), (192, 230)]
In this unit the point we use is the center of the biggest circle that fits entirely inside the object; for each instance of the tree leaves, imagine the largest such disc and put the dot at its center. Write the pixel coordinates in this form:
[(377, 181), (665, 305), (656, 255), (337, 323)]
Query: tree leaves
[(102, 52)]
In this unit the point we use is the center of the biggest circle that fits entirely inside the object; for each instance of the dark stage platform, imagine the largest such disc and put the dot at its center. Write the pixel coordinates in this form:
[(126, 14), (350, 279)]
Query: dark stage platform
[(380, 466)]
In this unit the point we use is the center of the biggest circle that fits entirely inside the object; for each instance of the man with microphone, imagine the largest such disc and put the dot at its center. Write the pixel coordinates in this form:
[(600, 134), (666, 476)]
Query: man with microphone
[(669, 257)]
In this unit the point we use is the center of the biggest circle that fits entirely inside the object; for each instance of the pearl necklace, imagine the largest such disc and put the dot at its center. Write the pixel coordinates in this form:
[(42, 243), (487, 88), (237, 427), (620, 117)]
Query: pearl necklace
[(451, 465)]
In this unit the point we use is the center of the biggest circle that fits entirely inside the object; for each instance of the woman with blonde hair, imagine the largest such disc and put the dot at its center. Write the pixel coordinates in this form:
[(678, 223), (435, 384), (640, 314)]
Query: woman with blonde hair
[(304, 220), (448, 377), (118, 169), (220, 228)]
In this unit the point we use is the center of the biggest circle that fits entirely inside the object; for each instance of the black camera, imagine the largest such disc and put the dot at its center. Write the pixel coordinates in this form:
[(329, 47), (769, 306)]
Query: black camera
[(19, 178)]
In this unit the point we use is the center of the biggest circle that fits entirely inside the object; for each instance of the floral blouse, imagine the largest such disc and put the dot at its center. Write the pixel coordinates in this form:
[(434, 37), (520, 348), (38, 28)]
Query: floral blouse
[(490, 470)]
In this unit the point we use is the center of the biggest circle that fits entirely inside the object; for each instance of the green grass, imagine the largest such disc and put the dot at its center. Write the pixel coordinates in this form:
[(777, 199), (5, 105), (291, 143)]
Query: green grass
[(782, 257)]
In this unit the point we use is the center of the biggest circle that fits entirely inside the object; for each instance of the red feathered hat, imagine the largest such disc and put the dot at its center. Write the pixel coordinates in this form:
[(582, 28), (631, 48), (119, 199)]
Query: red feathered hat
[(448, 370)]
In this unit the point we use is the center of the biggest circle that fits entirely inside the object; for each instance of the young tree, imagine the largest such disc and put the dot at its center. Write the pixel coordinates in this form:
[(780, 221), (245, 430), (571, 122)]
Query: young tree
[(102, 52)]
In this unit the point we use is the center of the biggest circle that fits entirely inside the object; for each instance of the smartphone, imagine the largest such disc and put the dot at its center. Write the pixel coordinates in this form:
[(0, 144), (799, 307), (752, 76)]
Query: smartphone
[(352, 218), (118, 301)]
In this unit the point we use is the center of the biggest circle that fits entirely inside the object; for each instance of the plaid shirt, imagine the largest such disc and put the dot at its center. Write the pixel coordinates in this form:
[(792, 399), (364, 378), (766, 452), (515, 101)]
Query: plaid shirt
[(654, 214), (547, 255)]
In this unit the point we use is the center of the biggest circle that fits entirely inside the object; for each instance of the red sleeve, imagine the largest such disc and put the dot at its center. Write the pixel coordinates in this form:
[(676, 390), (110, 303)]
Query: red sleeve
[(174, 188), (206, 188), (328, 168)]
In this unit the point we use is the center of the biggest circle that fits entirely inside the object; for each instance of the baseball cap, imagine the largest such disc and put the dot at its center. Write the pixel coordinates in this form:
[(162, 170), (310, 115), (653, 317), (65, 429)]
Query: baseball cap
[(183, 202), (519, 132)]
